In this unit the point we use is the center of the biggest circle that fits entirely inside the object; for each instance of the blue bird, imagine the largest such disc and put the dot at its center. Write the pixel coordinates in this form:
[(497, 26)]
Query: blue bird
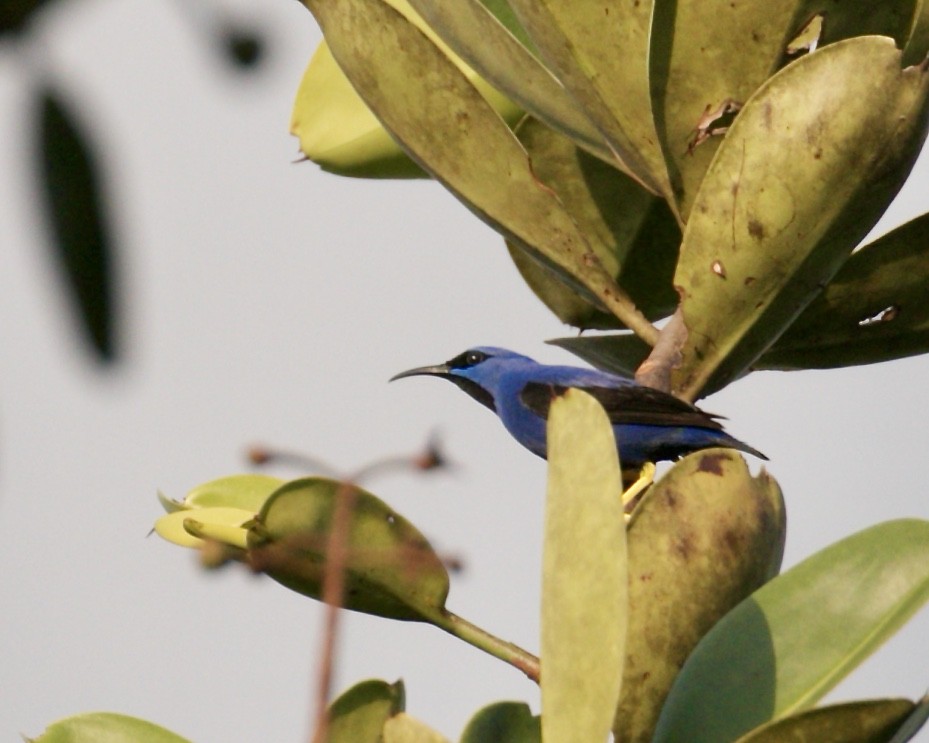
[(649, 425)]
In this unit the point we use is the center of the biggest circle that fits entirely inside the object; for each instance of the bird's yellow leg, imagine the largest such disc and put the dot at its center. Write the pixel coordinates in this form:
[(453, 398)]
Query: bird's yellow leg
[(645, 478)]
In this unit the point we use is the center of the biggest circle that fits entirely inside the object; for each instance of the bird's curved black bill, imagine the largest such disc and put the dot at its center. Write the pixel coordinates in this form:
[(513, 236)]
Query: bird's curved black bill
[(445, 371), (436, 370)]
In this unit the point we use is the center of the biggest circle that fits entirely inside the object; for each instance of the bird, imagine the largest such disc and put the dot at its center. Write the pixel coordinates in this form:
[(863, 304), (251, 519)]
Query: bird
[(649, 425)]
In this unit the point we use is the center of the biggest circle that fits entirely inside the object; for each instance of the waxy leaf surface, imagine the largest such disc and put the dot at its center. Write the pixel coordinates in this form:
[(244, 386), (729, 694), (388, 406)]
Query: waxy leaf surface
[(584, 579), (703, 538), (791, 191), (779, 651), (390, 568)]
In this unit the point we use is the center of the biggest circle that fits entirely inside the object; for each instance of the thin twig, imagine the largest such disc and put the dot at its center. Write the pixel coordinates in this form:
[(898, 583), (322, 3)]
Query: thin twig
[(337, 552), (333, 595)]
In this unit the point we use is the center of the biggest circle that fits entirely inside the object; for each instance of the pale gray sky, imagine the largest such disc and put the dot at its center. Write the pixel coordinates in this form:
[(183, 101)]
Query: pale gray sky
[(268, 301)]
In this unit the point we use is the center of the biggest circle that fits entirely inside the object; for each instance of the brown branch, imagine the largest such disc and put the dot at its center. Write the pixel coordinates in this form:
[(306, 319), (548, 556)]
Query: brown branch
[(656, 370)]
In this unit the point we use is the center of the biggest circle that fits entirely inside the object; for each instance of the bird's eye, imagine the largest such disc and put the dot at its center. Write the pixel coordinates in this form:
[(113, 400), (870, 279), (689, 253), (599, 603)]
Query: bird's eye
[(467, 359)]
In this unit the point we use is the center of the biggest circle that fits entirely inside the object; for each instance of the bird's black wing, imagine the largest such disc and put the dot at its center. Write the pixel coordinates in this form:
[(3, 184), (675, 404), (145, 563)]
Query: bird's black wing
[(632, 404)]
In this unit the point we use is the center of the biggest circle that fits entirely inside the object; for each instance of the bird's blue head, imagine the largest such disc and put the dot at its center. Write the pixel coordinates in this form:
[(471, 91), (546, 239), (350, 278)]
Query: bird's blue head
[(478, 371)]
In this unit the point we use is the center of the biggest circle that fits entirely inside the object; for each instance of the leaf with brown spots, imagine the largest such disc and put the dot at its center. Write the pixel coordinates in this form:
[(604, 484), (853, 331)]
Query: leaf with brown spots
[(702, 539), (794, 219)]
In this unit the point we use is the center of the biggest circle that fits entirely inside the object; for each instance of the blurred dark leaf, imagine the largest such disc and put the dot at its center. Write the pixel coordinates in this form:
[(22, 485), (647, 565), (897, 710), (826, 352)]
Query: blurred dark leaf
[(245, 47), (76, 213), (16, 14)]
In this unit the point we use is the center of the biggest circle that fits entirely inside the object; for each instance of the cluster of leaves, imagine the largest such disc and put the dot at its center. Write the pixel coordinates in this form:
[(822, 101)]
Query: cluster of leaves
[(626, 192), (689, 582), (719, 161)]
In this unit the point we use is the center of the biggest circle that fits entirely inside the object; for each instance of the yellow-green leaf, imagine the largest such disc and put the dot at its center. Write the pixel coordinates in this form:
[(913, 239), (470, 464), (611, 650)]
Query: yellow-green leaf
[(702, 539), (338, 131), (805, 171), (248, 492), (599, 51), (390, 568), (106, 727), (189, 528), (584, 580), (401, 728), (469, 27)]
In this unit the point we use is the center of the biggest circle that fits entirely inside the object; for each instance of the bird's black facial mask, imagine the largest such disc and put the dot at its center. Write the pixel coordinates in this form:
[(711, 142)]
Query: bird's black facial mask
[(465, 361)]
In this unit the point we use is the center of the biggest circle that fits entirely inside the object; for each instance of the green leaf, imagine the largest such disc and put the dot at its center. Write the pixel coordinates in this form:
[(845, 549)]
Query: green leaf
[(75, 209), (632, 232), (499, 53), (390, 569), (359, 714), (874, 309), (917, 44), (790, 192), (503, 722), (619, 353), (795, 638), (914, 722), (599, 52), (106, 727), (584, 579), (697, 64), (702, 539), (854, 722), (445, 125), (401, 728), (338, 131)]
